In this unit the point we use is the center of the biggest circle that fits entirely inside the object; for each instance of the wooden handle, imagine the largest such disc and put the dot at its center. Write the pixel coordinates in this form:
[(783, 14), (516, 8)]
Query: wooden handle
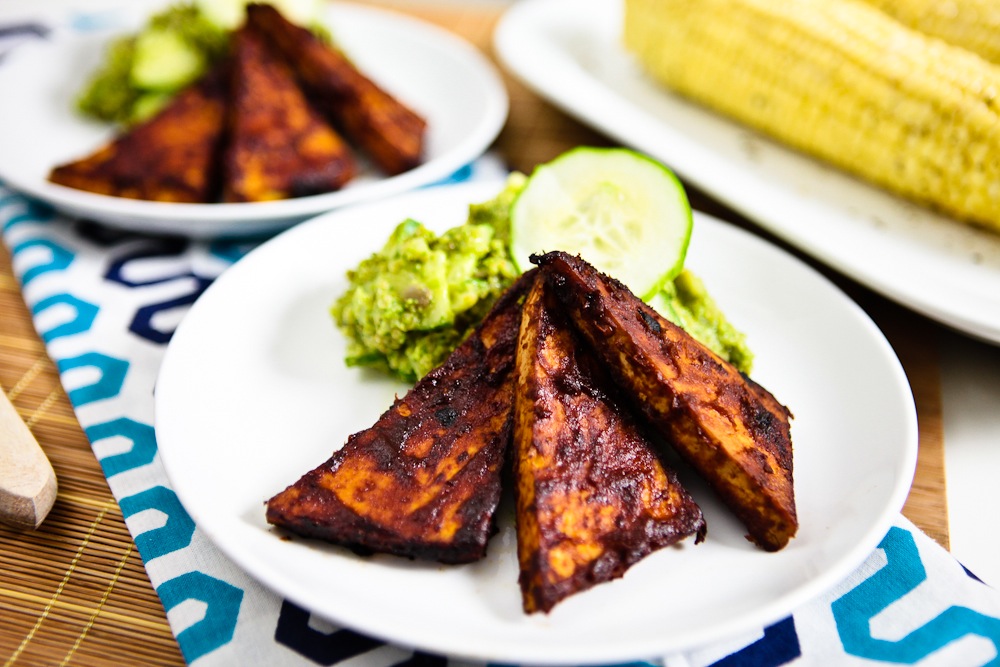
[(27, 481)]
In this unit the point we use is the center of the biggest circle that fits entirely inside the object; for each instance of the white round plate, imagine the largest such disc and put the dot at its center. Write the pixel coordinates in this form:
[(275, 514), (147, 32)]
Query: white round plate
[(570, 52), (434, 72), (253, 393)]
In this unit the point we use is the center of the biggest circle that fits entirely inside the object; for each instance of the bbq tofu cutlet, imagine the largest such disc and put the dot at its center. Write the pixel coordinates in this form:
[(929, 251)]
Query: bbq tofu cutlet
[(172, 157), (424, 480), (593, 497), (730, 429), (278, 146), (388, 131)]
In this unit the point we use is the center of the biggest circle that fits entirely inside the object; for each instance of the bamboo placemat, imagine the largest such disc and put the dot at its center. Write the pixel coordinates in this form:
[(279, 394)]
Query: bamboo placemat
[(76, 592)]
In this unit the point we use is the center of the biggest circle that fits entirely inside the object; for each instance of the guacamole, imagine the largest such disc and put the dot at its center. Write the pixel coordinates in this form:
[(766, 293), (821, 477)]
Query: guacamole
[(685, 302), (412, 302), (141, 72)]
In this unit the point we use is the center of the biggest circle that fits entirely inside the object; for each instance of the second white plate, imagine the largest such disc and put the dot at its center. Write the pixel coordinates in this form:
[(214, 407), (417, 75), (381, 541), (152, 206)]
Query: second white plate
[(570, 52), (253, 392), (436, 73)]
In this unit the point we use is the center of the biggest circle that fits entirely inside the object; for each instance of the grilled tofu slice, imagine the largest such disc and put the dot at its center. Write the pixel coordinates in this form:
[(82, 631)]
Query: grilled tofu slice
[(424, 480), (278, 146), (171, 157), (389, 132), (593, 497), (730, 429)]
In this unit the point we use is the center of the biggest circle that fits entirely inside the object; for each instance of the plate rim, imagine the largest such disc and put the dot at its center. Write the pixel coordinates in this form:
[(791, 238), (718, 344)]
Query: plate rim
[(236, 220), (847, 563)]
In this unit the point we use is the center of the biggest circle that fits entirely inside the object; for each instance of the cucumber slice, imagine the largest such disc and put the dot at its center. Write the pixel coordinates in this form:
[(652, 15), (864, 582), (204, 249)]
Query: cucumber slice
[(225, 14), (165, 61), (623, 212), (229, 14), (148, 105)]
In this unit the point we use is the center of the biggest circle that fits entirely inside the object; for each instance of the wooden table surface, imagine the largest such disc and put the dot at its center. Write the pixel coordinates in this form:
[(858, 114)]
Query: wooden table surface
[(75, 591)]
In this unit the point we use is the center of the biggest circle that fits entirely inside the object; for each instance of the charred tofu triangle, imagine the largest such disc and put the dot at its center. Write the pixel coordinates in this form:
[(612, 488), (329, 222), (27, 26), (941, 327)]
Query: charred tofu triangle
[(278, 145), (171, 157), (274, 139), (424, 481), (593, 498), (574, 372), (730, 429), (388, 131)]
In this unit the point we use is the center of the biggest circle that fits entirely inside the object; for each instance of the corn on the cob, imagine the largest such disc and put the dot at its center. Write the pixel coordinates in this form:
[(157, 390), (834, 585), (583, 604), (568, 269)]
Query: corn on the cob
[(840, 80), (971, 24)]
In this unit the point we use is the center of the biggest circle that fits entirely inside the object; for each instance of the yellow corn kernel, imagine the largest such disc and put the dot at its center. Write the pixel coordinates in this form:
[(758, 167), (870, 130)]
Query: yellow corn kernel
[(840, 80), (971, 24)]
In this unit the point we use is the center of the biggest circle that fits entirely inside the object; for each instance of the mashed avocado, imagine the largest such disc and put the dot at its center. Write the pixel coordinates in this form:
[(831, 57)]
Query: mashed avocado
[(140, 73), (413, 301), (410, 304), (685, 302)]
